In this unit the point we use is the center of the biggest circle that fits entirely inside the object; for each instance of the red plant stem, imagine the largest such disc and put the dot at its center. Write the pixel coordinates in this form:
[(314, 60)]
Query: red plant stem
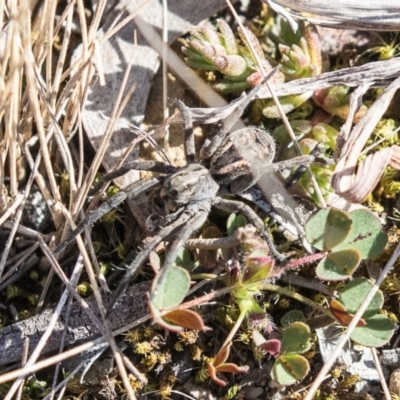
[(203, 299), (301, 261)]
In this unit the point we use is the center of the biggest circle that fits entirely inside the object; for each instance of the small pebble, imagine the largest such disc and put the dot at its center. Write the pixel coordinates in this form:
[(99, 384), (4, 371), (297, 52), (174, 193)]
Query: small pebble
[(254, 392), (394, 383), (198, 392), (36, 214)]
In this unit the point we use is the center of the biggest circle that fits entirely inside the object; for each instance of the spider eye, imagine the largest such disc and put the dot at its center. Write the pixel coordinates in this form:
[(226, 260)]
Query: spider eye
[(173, 193)]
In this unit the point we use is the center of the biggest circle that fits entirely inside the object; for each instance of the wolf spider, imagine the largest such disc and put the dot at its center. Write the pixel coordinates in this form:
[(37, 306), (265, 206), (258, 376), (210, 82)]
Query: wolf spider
[(183, 197)]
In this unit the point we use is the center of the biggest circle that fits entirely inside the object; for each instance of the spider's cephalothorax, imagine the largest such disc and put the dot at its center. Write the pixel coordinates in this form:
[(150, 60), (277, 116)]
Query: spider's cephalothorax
[(192, 184), (241, 158), (183, 197)]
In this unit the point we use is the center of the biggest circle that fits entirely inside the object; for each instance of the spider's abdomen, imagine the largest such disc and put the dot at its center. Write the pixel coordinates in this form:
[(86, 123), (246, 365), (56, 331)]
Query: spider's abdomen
[(241, 158), (192, 184)]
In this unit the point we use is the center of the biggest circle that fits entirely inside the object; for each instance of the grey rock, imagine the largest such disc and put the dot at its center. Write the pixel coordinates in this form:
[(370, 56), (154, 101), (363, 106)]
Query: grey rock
[(254, 392)]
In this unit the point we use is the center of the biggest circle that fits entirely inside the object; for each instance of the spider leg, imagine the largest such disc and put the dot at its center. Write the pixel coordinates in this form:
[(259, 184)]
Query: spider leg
[(200, 213), (152, 166), (189, 135), (253, 218), (111, 203), (211, 145), (284, 204), (231, 120), (132, 268), (292, 162), (302, 161), (295, 176)]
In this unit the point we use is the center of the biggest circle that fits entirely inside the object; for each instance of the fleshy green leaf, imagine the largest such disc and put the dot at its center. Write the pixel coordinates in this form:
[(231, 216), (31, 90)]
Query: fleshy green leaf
[(230, 65), (326, 134), (172, 291), (353, 294), (289, 369), (366, 235), (228, 37), (234, 222), (248, 305), (300, 128), (183, 259), (338, 265), (227, 86), (257, 271), (328, 228), (288, 103), (292, 316), (296, 339), (376, 333), (200, 64)]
